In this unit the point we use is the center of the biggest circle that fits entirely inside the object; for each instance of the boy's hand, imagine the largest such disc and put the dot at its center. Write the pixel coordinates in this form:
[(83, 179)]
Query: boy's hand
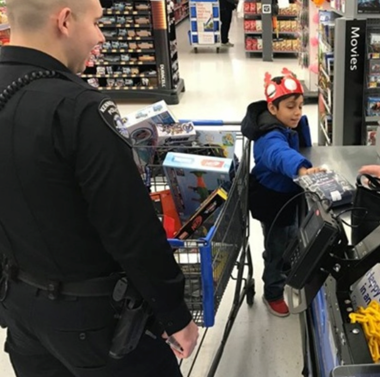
[(305, 171)]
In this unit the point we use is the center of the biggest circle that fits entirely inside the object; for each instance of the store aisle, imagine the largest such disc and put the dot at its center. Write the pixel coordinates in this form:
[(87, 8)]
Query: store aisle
[(220, 86)]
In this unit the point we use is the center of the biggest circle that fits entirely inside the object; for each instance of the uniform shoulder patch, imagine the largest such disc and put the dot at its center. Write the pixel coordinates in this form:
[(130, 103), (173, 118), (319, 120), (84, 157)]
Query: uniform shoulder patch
[(111, 116)]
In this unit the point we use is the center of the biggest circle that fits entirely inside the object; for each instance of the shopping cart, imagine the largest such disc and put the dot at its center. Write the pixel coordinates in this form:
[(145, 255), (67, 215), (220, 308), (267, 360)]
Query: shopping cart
[(208, 262)]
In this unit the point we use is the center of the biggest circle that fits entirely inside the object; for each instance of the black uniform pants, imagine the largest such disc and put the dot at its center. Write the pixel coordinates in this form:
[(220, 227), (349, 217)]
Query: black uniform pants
[(226, 19), (71, 337)]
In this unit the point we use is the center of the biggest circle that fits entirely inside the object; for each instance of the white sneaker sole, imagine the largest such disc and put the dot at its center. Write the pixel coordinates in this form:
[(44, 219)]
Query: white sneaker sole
[(274, 312)]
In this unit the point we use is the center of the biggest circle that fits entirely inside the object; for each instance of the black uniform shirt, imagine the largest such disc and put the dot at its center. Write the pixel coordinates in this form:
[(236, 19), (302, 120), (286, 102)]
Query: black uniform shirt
[(71, 199)]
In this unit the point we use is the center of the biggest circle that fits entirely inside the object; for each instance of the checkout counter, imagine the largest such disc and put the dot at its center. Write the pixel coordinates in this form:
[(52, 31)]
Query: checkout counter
[(333, 347)]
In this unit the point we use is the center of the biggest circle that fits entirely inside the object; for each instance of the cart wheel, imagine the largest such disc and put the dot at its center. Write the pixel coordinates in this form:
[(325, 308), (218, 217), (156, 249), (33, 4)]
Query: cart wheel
[(196, 50), (217, 50), (251, 292)]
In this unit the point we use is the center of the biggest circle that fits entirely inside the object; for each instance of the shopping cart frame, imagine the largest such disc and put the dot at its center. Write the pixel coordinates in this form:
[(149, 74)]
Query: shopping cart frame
[(226, 241)]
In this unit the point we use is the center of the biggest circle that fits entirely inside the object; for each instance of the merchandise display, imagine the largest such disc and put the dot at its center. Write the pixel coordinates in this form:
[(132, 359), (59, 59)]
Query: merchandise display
[(285, 36), (4, 25), (181, 10), (139, 58), (326, 73)]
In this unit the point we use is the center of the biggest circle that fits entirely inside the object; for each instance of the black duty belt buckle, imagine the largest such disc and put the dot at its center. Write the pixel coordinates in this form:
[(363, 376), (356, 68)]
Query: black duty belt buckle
[(53, 290)]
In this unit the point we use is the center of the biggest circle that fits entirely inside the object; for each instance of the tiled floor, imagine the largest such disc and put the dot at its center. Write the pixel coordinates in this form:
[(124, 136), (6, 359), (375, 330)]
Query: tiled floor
[(220, 86)]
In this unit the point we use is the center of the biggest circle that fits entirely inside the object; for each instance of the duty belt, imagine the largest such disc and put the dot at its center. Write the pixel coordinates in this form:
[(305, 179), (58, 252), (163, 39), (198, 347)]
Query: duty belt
[(96, 287)]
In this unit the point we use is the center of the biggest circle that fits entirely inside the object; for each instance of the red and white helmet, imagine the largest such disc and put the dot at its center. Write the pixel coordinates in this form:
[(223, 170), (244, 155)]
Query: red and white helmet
[(289, 85)]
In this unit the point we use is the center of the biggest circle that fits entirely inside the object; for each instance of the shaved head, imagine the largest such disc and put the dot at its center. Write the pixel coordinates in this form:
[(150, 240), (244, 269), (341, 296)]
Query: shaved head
[(32, 15)]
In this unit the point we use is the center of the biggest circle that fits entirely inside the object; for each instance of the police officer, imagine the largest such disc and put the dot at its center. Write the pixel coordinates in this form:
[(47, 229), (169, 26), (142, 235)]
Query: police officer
[(74, 211)]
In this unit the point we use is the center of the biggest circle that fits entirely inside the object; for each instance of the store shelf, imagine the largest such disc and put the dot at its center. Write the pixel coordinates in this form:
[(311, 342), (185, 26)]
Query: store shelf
[(110, 12), (337, 11), (253, 32), (249, 16), (118, 89), (125, 26), (328, 108), (369, 119), (120, 75), (284, 52), (292, 33), (179, 6), (181, 19), (326, 45), (128, 50), (125, 63), (129, 38), (325, 73), (255, 51), (284, 17), (321, 125)]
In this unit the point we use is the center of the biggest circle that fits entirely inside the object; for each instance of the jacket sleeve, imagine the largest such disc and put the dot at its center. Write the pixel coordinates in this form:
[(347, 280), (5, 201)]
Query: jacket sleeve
[(119, 207), (277, 155)]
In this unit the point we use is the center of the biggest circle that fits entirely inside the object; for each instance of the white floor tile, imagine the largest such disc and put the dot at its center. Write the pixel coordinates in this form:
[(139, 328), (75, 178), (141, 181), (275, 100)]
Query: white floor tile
[(220, 86)]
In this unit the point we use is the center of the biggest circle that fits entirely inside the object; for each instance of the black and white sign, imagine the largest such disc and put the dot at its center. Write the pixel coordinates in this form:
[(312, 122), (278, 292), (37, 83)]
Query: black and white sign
[(354, 79), (267, 9)]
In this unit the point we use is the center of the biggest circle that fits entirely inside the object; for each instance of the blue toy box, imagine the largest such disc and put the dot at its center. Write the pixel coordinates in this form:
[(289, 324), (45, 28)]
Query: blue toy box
[(192, 178)]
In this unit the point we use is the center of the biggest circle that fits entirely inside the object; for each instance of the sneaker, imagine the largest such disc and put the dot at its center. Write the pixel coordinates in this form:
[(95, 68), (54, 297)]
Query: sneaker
[(228, 44), (278, 307)]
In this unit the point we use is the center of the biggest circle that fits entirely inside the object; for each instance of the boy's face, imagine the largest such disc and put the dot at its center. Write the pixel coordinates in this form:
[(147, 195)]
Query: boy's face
[(289, 111)]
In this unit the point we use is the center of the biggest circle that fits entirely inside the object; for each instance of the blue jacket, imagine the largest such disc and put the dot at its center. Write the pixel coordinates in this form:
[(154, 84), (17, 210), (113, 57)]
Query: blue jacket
[(277, 161)]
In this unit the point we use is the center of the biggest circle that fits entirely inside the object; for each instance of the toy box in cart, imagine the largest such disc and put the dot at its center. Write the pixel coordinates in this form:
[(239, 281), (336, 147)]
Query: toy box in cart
[(141, 126), (192, 178)]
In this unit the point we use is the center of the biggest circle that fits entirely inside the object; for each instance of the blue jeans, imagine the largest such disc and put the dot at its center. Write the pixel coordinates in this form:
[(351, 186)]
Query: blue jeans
[(275, 245)]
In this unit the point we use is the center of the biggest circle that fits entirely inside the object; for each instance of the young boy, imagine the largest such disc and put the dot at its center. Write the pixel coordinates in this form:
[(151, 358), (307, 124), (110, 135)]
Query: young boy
[(274, 127)]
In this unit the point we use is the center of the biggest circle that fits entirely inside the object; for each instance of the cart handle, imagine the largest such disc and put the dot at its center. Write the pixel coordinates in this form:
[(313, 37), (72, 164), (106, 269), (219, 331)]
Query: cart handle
[(205, 122)]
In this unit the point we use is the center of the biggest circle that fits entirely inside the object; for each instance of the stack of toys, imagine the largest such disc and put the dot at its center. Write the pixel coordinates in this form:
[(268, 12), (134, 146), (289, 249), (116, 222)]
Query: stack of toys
[(194, 168)]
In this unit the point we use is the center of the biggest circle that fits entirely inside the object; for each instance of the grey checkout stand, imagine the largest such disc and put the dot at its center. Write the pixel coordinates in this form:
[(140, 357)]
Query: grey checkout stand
[(332, 346)]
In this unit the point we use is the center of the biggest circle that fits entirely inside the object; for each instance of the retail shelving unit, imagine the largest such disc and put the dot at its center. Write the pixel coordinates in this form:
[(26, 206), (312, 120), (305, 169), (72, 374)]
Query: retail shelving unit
[(181, 10), (308, 52), (261, 36), (349, 97), (139, 59)]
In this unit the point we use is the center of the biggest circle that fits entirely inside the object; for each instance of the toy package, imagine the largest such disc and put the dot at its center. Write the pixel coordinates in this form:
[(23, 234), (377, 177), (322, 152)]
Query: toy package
[(141, 126), (166, 211), (221, 143), (192, 178), (374, 42), (175, 133), (371, 135), (373, 106), (328, 185), (207, 208)]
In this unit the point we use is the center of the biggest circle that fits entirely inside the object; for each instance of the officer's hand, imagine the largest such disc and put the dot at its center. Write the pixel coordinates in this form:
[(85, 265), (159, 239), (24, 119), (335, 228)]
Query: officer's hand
[(186, 339), (370, 169)]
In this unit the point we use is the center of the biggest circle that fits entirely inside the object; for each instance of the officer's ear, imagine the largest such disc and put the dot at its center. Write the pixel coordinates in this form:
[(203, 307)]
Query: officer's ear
[(64, 20)]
